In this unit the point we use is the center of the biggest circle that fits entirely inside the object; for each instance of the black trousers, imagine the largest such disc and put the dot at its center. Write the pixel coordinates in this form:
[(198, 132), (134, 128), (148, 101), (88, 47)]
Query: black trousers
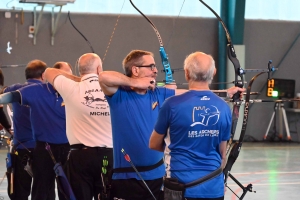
[(220, 198), (21, 179), (133, 189), (43, 187), (84, 168)]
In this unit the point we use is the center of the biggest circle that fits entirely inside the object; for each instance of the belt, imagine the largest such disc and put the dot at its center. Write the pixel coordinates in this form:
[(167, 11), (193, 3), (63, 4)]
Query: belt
[(82, 146)]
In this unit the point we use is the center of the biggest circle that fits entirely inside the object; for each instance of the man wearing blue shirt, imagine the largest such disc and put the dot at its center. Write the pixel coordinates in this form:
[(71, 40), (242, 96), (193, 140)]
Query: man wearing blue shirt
[(193, 129), (23, 140), (49, 126)]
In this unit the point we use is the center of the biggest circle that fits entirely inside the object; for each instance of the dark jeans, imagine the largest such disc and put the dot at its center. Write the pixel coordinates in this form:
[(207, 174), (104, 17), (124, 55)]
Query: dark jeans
[(84, 169), (132, 189), (21, 179), (43, 187)]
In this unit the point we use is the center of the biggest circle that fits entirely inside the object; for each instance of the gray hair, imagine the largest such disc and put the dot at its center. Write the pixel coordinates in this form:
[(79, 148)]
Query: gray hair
[(197, 71), (88, 63)]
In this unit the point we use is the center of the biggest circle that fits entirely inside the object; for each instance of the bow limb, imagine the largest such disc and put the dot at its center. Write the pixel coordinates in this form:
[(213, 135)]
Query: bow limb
[(164, 57), (80, 33), (239, 82)]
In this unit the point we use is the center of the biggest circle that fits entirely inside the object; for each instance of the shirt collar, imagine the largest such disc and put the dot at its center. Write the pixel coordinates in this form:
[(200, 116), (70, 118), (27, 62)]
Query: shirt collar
[(89, 77), (33, 81)]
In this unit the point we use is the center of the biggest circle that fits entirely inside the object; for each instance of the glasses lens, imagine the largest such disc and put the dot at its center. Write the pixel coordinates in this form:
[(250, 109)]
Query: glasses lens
[(152, 66)]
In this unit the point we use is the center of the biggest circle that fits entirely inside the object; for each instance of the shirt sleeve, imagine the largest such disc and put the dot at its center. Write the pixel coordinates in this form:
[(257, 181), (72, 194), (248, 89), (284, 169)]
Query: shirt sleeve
[(27, 94), (228, 121), (169, 92), (64, 86), (163, 121)]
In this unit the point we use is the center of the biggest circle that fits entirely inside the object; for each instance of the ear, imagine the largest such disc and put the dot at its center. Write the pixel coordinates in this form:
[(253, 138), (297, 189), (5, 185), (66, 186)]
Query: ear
[(135, 71), (186, 74), (215, 71), (99, 69), (43, 77)]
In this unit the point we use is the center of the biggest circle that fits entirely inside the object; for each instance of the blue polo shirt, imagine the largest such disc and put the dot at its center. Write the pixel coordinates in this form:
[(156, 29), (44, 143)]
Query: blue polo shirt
[(195, 123), (133, 117), (47, 112), (21, 119)]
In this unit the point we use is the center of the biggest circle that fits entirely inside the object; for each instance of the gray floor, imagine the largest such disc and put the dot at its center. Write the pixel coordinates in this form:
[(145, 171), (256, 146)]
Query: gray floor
[(272, 168)]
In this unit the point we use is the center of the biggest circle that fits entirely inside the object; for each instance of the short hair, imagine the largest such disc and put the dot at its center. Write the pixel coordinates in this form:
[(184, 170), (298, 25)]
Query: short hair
[(197, 71), (87, 63), (1, 78), (35, 69), (134, 58), (58, 65)]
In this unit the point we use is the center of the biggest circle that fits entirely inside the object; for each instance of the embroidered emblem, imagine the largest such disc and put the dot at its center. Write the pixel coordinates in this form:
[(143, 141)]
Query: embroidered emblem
[(154, 105)]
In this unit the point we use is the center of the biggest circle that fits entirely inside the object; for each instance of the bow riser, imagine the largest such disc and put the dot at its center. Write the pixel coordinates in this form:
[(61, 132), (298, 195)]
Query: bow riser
[(166, 65), (162, 51)]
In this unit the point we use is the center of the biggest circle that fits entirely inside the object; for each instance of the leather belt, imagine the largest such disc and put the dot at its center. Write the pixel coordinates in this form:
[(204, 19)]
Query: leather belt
[(82, 146)]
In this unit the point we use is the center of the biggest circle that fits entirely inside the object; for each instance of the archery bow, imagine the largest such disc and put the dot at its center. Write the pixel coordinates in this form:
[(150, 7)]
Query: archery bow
[(162, 51), (80, 33), (239, 72), (239, 79)]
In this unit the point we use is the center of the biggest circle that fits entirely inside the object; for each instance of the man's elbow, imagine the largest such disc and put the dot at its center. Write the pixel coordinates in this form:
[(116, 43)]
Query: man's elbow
[(152, 146), (101, 76), (48, 74), (155, 146)]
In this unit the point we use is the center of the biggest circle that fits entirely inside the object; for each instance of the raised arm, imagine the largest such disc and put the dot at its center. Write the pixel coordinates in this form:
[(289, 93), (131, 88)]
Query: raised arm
[(51, 73), (231, 91), (111, 80), (10, 97)]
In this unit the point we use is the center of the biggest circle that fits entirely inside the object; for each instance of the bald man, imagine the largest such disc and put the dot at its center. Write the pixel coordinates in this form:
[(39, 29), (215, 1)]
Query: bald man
[(48, 123), (88, 126), (65, 66), (193, 129), (23, 140)]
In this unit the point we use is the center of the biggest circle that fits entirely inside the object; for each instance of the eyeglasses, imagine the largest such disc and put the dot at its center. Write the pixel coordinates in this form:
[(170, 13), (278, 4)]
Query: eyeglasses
[(152, 66)]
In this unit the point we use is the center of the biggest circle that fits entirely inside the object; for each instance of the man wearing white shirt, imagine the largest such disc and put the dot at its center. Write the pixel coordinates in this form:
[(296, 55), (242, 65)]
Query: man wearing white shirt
[(88, 126)]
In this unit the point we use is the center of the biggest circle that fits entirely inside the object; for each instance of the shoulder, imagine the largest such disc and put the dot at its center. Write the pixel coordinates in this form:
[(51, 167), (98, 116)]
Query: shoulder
[(164, 91), (13, 87)]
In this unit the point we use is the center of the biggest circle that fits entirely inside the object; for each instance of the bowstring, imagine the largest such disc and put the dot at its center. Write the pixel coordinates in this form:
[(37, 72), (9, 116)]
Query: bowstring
[(113, 32), (174, 25)]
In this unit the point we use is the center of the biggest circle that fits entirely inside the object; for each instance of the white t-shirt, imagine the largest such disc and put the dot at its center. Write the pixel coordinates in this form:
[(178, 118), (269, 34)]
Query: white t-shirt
[(87, 111)]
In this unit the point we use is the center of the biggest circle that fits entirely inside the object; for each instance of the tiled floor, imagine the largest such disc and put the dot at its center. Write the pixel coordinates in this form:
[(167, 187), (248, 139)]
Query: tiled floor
[(272, 168)]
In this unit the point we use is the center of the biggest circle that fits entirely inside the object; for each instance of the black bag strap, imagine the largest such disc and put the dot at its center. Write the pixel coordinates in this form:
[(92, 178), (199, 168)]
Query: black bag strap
[(139, 169), (205, 178)]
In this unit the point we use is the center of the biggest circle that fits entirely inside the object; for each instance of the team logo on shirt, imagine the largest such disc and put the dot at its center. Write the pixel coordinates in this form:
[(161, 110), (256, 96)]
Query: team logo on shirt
[(205, 98), (95, 99), (89, 99), (205, 116)]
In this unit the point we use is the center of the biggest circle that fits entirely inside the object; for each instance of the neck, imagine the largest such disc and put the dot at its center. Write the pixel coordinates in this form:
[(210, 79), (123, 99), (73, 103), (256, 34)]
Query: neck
[(196, 85), (37, 79), (139, 91)]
